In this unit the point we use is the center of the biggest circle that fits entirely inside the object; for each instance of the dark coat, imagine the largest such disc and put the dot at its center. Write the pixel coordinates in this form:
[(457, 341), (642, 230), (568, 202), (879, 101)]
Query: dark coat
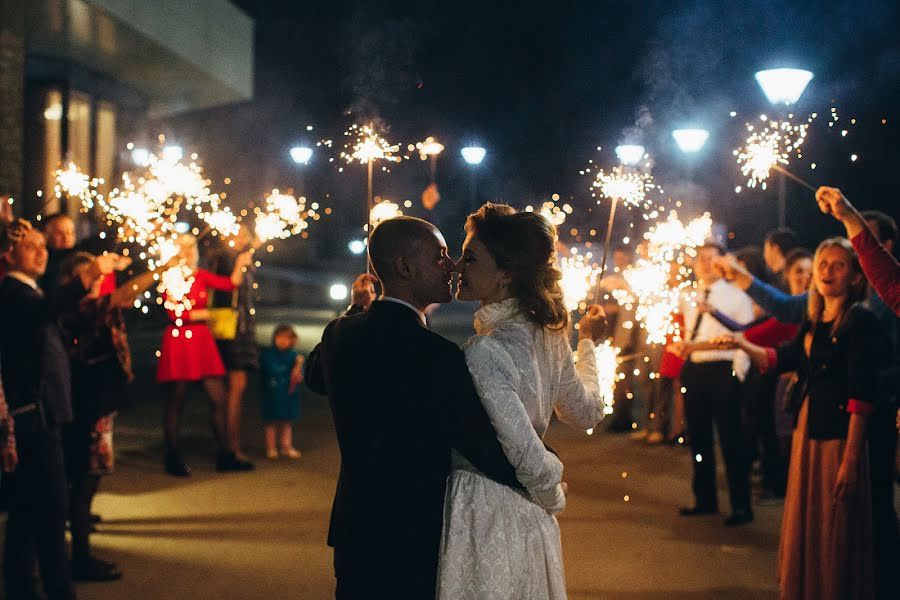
[(35, 362), (840, 367), (402, 397)]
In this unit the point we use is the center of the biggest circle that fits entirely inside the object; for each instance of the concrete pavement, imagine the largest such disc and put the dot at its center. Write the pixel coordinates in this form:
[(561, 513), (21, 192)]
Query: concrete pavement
[(262, 534)]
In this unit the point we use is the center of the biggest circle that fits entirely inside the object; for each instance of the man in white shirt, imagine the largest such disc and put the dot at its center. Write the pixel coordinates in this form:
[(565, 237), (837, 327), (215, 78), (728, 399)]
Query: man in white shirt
[(711, 378)]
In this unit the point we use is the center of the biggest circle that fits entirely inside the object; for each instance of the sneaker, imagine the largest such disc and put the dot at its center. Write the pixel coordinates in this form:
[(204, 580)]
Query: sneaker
[(655, 437), (291, 453)]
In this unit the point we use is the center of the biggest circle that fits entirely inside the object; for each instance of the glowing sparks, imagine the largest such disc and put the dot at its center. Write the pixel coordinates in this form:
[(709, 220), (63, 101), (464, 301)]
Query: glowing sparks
[(629, 186), (768, 147), (175, 283), (578, 278), (77, 185), (367, 145), (383, 211), (223, 221), (429, 147), (606, 355), (284, 216)]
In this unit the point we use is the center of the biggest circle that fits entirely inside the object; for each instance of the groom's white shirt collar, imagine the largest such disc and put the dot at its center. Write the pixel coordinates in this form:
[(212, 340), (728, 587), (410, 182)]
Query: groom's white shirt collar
[(404, 303)]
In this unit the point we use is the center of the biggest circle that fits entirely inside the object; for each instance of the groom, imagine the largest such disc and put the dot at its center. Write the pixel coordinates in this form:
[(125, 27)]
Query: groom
[(402, 397)]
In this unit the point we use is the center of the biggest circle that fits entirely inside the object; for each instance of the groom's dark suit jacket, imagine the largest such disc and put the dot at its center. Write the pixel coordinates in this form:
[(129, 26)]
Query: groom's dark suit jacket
[(402, 397)]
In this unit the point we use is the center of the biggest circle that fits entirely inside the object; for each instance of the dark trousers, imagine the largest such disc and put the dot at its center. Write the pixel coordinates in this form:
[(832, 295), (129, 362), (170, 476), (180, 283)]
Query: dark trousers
[(882, 437), (659, 407), (35, 527), (713, 395), (759, 429), (77, 439)]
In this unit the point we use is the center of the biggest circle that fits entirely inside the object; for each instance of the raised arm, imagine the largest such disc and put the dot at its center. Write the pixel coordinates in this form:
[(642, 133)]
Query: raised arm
[(497, 380), (784, 307)]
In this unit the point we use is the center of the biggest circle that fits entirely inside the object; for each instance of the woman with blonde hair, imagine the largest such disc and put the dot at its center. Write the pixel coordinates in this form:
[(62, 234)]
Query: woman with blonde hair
[(826, 531), (498, 542)]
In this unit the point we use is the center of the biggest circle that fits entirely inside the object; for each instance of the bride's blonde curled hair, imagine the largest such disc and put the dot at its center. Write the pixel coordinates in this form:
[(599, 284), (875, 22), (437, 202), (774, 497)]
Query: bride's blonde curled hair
[(523, 244)]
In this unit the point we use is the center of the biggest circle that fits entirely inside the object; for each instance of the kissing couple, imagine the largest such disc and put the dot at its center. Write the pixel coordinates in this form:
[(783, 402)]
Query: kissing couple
[(446, 488)]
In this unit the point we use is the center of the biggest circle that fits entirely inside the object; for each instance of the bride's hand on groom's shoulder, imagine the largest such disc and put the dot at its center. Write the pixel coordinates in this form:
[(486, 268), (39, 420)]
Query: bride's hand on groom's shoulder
[(593, 324)]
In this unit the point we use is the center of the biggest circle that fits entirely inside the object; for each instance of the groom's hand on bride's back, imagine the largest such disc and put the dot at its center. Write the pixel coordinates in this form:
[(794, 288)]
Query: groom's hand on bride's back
[(592, 325)]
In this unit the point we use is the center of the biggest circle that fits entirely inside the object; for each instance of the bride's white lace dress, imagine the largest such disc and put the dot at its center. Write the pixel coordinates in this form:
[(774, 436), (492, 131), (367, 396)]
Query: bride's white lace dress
[(499, 543)]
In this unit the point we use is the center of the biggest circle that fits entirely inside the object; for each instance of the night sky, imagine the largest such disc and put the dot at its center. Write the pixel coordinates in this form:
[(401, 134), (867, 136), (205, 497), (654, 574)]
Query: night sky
[(542, 84)]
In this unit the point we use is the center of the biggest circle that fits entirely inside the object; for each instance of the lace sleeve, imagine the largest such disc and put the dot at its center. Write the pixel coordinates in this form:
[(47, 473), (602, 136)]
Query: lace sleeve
[(497, 379), (578, 402)]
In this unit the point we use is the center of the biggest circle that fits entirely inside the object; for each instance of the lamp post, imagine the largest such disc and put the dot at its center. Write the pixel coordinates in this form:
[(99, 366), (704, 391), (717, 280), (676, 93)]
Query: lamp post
[(473, 155), (690, 141), (783, 87), (301, 155)]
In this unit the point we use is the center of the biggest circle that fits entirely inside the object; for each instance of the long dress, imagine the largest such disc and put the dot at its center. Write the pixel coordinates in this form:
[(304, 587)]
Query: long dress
[(499, 543), (188, 351)]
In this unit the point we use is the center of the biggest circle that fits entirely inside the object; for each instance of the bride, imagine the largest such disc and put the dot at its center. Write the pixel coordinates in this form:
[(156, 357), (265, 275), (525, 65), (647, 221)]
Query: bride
[(497, 542)]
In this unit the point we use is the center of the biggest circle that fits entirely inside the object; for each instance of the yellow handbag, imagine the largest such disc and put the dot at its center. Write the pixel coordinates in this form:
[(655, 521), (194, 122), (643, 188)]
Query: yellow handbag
[(223, 322)]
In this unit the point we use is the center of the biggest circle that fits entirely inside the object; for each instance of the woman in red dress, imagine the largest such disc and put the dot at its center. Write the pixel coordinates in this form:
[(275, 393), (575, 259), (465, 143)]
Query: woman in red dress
[(188, 353)]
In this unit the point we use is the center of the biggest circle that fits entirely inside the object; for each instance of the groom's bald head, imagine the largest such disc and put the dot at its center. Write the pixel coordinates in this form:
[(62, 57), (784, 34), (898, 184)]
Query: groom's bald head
[(394, 239)]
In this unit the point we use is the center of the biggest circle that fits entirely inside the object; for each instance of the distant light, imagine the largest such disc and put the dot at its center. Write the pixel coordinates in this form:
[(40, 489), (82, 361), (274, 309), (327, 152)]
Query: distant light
[(54, 112), (301, 154), (783, 86), (338, 291), (173, 153), (630, 154), (473, 154), (357, 246), (140, 157), (690, 140), (182, 227)]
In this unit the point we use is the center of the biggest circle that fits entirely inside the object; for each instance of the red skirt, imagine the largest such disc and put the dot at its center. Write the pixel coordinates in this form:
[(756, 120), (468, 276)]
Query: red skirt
[(188, 353)]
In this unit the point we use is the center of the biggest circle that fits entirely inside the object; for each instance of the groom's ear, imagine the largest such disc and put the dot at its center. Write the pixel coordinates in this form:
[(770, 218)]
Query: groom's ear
[(403, 267)]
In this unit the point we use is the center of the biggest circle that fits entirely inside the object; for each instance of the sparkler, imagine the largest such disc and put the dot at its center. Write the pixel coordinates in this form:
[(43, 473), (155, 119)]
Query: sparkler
[(175, 283), (629, 186), (284, 216), (552, 212), (606, 356), (383, 211), (430, 148), (769, 148), (578, 276)]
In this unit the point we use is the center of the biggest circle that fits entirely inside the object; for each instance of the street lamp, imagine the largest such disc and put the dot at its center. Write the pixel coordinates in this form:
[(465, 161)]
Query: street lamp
[(357, 246), (783, 86), (690, 140), (473, 155), (630, 154), (301, 154)]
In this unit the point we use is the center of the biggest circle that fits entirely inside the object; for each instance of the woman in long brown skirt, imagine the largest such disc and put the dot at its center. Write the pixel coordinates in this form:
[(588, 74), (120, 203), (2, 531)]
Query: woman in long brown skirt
[(826, 532)]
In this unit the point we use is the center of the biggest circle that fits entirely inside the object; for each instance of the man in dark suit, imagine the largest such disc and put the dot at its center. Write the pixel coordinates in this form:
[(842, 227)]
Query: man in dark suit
[(402, 397), (36, 380)]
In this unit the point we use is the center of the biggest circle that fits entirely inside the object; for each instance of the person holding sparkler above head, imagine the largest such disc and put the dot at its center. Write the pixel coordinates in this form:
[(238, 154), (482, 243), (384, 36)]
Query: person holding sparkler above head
[(826, 546), (498, 542), (188, 353)]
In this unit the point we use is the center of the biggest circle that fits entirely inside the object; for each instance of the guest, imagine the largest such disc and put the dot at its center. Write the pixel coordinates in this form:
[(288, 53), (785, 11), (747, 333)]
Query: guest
[(37, 385), (100, 358), (826, 531), (240, 354), (711, 378), (362, 294), (281, 376), (881, 268), (62, 241), (775, 248), (188, 353)]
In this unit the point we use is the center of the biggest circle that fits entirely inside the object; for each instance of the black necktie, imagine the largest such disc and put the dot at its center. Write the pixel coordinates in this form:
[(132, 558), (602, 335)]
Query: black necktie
[(699, 316)]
